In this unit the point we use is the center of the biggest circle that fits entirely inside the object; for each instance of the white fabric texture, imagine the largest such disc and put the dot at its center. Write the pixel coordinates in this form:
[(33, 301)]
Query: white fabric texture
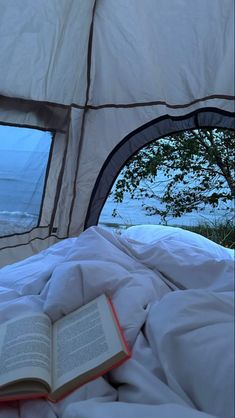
[(148, 51), (45, 45), (181, 341), (43, 56)]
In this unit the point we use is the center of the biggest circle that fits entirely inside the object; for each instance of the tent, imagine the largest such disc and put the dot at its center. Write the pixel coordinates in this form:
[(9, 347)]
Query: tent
[(106, 77)]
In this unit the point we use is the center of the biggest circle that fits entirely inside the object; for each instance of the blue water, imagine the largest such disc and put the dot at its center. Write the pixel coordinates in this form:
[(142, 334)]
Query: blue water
[(131, 212), (23, 161)]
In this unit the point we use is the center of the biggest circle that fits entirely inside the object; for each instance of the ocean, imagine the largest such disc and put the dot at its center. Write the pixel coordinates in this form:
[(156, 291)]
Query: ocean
[(20, 198), (23, 160), (130, 212), (20, 202)]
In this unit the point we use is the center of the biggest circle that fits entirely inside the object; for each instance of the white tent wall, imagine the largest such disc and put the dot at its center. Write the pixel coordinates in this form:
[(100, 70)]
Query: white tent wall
[(172, 51), (43, 51), (137, 75), (67, 191), (94, 72), (43, 62)]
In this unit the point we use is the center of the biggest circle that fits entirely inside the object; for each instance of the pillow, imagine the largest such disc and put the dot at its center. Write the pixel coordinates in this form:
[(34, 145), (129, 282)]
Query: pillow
[(150, 234), (186, 259)]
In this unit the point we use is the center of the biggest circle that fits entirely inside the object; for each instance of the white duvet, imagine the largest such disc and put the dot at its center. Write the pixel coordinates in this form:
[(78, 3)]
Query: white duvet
[(174, 297)]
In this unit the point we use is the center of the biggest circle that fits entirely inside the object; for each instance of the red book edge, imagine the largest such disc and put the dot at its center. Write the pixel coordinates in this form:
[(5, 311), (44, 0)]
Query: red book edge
[(118, 363), (25, 397), (114, 366), (119, 327)]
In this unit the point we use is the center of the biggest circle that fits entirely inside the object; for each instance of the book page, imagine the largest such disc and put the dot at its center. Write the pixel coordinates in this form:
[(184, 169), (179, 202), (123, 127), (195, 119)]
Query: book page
[(25, 349), (82, 340)]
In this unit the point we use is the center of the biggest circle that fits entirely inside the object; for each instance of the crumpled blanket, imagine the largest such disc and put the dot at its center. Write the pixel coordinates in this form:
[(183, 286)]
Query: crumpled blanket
[(174, 300)]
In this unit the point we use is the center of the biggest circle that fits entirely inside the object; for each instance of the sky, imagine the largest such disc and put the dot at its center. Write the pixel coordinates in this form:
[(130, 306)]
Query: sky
[(15, 138)]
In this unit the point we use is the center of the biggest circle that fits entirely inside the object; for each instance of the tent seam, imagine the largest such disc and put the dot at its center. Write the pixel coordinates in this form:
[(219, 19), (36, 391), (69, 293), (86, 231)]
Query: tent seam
[(89, 54), (119, 105)]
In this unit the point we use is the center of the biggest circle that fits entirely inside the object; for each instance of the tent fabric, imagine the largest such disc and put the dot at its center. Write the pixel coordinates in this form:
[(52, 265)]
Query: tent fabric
[(107, 77), (43, 47)]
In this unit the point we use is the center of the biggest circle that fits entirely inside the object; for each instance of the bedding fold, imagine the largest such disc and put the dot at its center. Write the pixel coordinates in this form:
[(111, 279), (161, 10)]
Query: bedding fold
[(174, 300)]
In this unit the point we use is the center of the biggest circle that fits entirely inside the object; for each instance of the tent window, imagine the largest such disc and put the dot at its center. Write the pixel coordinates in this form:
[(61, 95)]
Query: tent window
[(160, 127), (24, 155), (183, 180)]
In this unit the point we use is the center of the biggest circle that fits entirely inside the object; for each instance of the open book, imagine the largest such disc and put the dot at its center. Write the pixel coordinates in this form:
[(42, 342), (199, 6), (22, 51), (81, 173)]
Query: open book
[(38, 358)]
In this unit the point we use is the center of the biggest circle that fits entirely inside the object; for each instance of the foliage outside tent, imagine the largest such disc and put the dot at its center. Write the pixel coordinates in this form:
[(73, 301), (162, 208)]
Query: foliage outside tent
[(197, 170)]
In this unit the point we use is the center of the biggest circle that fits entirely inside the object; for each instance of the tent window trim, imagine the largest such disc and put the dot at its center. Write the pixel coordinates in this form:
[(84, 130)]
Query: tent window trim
[(136, 140)]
